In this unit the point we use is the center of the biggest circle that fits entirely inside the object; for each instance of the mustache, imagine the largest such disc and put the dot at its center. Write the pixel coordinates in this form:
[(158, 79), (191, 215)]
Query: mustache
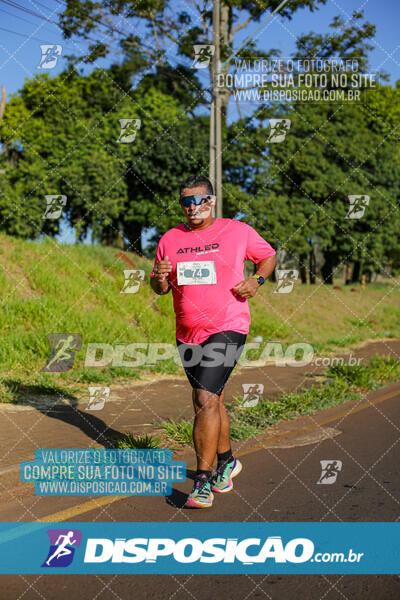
[(200, 213), (203, 209)]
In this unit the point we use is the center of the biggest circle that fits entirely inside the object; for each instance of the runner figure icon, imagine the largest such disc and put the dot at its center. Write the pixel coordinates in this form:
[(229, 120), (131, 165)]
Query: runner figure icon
[(330, 471), (63, 545), (62, 549), (50, 55), (62, 351)]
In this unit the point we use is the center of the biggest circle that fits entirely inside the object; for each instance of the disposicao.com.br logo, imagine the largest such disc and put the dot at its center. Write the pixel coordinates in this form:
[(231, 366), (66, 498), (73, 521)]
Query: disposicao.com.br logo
[(247, 551)]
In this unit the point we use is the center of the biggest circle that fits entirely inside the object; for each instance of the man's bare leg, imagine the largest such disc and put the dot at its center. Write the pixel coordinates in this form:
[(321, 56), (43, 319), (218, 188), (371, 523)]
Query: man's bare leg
[(206, 428), (228, 466), (224, 442)]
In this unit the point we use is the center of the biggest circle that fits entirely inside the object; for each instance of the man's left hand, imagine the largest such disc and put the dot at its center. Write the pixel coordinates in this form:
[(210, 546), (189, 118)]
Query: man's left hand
[(247, 288)]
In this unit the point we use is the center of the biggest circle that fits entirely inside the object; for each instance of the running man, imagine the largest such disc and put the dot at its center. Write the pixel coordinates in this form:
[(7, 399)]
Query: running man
[(62, 549), (201, 261)]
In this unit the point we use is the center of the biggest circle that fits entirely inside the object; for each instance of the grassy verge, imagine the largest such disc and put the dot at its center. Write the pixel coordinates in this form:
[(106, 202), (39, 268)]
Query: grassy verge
[(23, 391), (129, 441), (342, 383), (380, 370), (54, 288)]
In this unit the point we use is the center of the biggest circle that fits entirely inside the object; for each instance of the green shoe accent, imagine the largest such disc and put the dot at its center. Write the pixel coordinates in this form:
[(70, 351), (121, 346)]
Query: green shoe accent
[(201, 495), (222, 480)]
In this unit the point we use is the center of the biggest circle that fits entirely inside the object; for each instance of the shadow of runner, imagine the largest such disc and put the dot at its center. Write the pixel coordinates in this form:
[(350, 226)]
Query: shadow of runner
[(178, 499), (54, 403)]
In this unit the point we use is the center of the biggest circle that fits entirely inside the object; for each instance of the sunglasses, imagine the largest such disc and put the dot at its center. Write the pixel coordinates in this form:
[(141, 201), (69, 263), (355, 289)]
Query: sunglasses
[(196, 200)]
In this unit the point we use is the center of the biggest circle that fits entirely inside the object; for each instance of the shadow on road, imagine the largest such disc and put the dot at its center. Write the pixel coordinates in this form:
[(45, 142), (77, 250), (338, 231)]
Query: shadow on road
[(59, 405), (177, 499)]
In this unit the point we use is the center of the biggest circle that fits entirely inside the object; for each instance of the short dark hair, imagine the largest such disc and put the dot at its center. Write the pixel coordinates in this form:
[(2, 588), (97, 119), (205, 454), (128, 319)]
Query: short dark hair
[(196, 181)]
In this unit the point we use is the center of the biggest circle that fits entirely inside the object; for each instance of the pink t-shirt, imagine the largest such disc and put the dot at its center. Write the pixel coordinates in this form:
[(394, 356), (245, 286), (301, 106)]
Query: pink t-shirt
[(213, 258)]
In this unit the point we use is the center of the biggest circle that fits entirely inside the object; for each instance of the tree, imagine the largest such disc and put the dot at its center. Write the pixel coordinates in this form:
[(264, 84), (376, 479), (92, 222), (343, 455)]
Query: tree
[(61, 136), (331, 152), (162, 25)]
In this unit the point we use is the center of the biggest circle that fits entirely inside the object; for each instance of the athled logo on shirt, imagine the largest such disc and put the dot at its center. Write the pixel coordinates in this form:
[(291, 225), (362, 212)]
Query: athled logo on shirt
[(199, 249)]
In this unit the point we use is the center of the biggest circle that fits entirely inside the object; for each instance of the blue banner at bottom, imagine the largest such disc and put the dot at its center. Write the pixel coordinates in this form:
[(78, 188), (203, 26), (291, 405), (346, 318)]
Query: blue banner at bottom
[(159, 548)]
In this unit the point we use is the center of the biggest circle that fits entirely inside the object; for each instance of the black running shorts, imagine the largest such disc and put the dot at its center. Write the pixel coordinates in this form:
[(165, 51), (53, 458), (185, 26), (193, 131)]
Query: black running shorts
[(208, 365)]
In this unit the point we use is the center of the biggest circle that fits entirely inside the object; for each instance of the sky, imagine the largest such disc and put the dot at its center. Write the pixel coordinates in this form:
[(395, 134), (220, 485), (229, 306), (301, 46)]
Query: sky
[(25, 24), (20, 51)]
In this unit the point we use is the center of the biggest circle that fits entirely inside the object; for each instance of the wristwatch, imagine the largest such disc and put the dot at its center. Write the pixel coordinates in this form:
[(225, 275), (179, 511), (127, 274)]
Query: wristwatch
[(259, 278)]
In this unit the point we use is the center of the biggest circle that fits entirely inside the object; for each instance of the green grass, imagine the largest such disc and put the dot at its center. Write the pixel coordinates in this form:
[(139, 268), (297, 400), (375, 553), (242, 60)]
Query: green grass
[(129, 441), (179, 431), (54, 288), (381, 370), (16, 391), (343, 386)]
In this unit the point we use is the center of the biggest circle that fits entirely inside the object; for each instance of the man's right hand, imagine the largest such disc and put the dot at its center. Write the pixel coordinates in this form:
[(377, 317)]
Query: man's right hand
[(161, 269)]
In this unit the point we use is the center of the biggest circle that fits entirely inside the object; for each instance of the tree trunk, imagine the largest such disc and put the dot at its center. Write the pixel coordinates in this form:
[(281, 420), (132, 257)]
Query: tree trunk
[(312, 266), (356, 272), (226, 49), (134, 236), (368, 276), (303, 268), (111, 236), (327, 268), (347, 274)]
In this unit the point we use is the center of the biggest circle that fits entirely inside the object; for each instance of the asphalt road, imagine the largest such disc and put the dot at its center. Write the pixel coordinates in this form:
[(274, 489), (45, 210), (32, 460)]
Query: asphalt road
[(278, 483)]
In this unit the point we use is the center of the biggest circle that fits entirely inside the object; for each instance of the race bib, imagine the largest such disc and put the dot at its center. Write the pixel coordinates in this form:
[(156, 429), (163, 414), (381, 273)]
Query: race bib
[(195, 273)]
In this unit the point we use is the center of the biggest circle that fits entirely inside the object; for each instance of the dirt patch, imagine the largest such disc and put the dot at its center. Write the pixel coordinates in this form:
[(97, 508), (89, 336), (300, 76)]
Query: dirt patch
[(306, 438)]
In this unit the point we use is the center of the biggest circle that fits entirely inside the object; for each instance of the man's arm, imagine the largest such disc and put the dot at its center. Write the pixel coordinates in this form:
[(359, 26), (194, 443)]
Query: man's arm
[(160, 287), (266, 266), (159, 283), (248, 288)]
